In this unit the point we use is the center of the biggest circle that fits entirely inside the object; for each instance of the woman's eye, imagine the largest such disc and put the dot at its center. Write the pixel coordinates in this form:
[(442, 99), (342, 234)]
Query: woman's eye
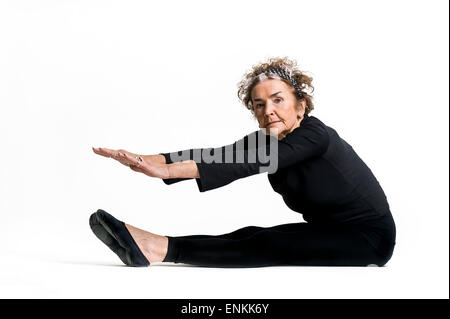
[(278, 99), (258, 105)]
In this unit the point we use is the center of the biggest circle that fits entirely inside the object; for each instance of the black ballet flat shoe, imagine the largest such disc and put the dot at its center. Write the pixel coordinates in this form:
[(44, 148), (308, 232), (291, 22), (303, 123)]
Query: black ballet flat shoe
[(107, 238), (114, 234)]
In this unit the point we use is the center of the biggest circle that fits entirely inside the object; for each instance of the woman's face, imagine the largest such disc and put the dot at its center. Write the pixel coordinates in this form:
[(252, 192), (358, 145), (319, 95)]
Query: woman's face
[(276, 108)]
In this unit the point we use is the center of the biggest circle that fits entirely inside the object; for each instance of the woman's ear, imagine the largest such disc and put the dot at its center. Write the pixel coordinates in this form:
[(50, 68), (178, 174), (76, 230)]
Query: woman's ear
[(301, 109)]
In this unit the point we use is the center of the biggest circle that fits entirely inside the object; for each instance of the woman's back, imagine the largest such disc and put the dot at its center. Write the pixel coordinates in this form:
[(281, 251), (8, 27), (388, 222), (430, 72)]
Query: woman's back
[(333, 186)]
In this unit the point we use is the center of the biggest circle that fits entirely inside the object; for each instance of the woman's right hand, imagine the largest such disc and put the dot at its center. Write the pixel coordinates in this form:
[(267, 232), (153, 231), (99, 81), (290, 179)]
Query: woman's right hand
[(115, 154)]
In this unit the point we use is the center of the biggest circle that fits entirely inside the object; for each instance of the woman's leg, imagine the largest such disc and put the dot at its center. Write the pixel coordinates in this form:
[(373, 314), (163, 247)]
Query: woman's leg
[(251, 246), (287, 244), (237, 234), (242, 232)]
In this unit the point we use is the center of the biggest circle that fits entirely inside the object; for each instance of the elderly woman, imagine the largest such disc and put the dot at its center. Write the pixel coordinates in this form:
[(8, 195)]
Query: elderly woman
[(318, 174)]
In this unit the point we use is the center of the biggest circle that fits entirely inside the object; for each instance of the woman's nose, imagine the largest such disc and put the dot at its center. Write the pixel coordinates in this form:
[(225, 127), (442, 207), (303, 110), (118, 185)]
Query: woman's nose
[(269, 109)]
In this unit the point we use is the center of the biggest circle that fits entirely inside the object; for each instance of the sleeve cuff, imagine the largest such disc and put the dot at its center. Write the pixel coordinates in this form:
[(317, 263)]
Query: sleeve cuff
[(201, 181), (169, 181), (167, 157)]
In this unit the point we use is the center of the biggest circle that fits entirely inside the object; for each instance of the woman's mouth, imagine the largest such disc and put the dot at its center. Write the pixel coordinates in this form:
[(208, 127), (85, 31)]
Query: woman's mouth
[(272, 122)]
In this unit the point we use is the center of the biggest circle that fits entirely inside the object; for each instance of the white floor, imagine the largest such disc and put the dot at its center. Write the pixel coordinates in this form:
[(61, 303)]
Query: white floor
[(47, 250), (104, 276)]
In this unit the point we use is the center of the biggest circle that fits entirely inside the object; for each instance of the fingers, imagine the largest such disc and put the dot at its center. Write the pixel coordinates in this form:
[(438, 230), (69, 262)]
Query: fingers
[(106, 152), (130, 160), (134, 161)]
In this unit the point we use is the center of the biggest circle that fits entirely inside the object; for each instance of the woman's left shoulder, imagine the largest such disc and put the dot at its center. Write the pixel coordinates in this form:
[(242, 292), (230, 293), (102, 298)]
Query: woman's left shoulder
[(312, 128), (310, 122)]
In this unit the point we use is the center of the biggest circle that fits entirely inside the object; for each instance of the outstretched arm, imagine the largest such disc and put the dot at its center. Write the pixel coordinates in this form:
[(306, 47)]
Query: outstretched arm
[(173, 171), (152, 165), (220, 166), (213, 168), (186, 169)]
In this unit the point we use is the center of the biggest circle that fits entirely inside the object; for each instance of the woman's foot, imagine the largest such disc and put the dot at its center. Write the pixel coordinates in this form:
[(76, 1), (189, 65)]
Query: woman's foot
[(134, 246), (154, 247)]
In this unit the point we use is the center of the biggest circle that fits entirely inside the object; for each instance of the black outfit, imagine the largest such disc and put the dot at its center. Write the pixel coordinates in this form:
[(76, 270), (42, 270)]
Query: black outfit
[(348, 219)]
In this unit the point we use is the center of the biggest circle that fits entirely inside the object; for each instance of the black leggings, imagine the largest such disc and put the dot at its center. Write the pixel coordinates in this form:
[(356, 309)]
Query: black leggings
[(300, 244)]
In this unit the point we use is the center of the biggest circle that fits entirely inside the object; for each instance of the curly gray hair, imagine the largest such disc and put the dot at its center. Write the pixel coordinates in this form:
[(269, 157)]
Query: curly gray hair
[(282, 69)]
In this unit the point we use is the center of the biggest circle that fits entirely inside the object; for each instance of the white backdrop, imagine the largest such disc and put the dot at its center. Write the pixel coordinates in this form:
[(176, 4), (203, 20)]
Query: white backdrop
[(154, 77)]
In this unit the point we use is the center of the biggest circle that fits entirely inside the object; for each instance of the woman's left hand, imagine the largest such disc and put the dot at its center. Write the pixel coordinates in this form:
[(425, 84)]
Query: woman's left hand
[(135, 162)]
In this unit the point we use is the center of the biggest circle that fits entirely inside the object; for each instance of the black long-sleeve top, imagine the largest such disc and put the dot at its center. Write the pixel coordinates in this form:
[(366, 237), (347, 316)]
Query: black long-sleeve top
[(318, 175)]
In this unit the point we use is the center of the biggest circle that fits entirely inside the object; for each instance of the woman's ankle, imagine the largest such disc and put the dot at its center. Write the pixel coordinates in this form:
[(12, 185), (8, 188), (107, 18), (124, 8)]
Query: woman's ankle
[(153, 246), (158, 247)]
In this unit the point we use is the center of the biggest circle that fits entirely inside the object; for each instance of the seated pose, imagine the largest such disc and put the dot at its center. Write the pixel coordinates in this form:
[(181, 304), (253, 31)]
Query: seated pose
[(318, 174)]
